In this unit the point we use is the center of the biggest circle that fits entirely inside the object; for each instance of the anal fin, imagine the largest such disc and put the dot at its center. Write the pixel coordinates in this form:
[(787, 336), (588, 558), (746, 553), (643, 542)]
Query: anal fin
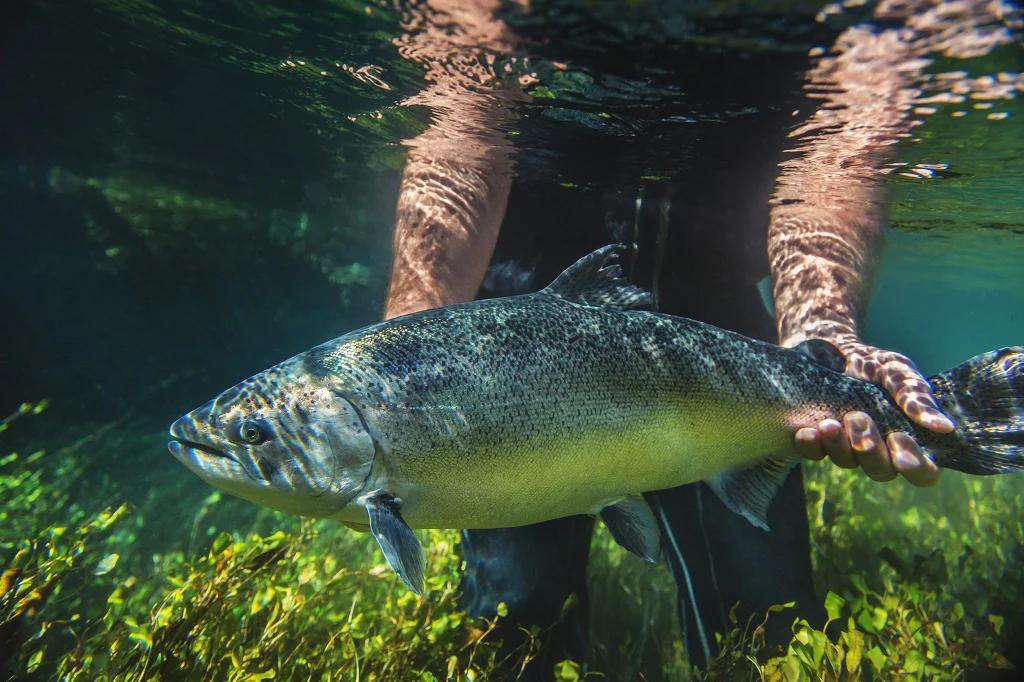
[(749, 492), (396, 539), (632, 524)]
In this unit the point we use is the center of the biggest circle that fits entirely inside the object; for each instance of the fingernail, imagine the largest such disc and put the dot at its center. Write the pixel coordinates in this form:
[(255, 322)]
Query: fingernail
[(860, 424), (830, 428), (905, 461), (806, 435), (940, 422)]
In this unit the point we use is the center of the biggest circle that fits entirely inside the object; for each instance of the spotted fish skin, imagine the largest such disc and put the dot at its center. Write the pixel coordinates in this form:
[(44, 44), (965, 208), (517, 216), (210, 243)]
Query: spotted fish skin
[(573, 400), (517, 410)]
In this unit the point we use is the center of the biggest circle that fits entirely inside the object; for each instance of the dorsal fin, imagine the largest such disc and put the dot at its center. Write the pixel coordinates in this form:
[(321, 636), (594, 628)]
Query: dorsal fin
[(596, 279)]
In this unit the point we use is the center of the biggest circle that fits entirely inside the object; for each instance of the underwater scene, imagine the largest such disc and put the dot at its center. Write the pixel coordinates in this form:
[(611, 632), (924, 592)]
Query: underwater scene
[(193, 193)]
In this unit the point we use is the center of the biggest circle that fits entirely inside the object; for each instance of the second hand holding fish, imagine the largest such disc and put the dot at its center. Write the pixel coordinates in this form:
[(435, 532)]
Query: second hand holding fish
[(857, 442)]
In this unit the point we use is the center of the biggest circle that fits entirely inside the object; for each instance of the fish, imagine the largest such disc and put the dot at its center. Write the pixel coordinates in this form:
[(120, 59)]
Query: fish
[(576, 399)]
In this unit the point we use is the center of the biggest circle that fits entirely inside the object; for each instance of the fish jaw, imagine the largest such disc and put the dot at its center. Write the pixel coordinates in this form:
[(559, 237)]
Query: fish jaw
[(317, 472), (211, 461)]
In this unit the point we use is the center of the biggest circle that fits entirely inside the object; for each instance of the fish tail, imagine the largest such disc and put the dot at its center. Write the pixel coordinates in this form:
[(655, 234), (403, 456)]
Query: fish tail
[(985, 397)]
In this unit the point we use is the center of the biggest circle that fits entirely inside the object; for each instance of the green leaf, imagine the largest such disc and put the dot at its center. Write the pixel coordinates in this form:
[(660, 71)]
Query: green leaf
[(567, 671), (106, 564), (879, 618), (865, 620), (999, 662), (834, 605), (570, 603), (877, 658), (818, 643), (855, 650), (913, 662), (34, 661), (775, 608), (791, 669), (997, 622), (542, 92)]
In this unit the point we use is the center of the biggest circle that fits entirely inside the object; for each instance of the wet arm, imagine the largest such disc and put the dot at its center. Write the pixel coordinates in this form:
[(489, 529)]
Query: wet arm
[(824, 231), (456, 181), (447, 220)]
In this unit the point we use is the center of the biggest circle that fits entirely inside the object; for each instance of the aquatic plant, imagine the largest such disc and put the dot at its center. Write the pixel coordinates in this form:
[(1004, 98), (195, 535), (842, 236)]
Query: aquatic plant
[(160, 590)]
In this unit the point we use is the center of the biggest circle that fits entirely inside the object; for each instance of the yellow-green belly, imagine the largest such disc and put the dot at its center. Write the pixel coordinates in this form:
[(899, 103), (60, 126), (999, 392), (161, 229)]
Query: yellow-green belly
[(576, 471)]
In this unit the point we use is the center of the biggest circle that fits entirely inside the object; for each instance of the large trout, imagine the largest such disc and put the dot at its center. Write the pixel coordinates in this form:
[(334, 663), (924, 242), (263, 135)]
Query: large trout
[(572, 400)]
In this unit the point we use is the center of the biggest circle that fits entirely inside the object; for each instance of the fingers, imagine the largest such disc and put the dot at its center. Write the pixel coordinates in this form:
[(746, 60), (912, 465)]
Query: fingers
[(836, 445), (808, 444), (868, 447), (856, 442), (898, 376), (913, 394), (826, 440), (910, 462)]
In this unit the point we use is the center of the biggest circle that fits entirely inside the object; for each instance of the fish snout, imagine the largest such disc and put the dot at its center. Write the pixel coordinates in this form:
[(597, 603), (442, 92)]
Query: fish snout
[(189, 426), (193, 436)]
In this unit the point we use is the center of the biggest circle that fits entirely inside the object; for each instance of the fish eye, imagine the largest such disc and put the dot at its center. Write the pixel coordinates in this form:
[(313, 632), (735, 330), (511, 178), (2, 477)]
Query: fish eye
[(251, 432)]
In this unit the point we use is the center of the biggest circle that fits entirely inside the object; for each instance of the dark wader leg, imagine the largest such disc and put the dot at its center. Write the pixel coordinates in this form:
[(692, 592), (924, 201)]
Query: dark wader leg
[(533, 569), (711, 259), (713, 252), (719, 559)]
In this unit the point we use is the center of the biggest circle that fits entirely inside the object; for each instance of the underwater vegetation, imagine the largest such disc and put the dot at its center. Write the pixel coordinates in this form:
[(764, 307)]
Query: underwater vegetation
[(114, 566), (170, 588)]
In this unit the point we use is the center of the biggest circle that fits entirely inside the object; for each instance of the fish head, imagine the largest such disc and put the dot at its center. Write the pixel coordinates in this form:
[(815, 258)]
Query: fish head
[(283, 439)]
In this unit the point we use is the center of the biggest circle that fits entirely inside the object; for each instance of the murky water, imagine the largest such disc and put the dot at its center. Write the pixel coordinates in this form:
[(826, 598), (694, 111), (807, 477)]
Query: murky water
[(192, 192)]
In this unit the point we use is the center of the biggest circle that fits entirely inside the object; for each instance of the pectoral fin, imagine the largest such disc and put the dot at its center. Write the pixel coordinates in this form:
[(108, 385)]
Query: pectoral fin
[(749, 492), (396, 539), (632, 524)]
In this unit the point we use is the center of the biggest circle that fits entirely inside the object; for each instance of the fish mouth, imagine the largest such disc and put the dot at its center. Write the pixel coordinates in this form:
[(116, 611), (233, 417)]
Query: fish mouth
[(196, 454), (184, 433), (209, 461), (178, 444)]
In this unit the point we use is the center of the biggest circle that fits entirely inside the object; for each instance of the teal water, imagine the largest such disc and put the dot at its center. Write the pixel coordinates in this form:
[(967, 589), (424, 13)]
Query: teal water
[(194, 192), (951, 270)]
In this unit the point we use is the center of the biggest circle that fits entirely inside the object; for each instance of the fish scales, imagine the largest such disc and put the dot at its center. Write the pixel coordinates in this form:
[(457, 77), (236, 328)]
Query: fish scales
[(573, 400), (570, 402)]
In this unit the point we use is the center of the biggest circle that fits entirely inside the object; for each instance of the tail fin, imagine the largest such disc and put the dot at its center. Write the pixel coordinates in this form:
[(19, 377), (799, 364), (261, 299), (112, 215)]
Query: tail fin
[(985, 397)]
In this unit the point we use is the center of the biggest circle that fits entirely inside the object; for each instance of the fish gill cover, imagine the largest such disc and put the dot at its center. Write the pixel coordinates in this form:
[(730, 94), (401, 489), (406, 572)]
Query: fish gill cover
[(194, 194)]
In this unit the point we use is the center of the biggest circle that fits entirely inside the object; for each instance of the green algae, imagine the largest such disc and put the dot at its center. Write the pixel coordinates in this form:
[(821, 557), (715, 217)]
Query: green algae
[(918, 584), (184, 583)]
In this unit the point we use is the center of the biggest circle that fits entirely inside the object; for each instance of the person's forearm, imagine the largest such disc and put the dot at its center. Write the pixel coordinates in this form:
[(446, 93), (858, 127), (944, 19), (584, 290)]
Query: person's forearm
[(457, 177), (828, 205), (449, 212)]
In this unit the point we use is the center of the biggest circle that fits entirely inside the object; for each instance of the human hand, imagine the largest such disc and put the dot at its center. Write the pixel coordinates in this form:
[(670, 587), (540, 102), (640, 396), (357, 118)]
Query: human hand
[(856, 441)]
